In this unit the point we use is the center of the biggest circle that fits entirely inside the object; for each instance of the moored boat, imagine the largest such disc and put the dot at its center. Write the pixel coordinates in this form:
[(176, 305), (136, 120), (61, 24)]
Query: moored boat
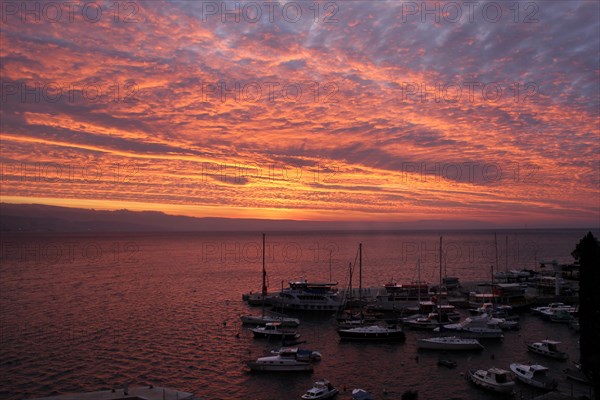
[(283, 362), (428, 323), (303, 295), (322, 389), (361, 394), (265, 319), (299, 354), (534, 375), (551, 310), (449, 343), (577, 375), (257, 299), (271, 330), (562, 316), (373, 333), (446, 362), (494, 379), (479, 327), (260, 298), (548, 348)]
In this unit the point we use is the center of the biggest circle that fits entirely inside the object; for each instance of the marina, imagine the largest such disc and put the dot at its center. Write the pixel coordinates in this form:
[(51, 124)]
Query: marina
[(216, 356)]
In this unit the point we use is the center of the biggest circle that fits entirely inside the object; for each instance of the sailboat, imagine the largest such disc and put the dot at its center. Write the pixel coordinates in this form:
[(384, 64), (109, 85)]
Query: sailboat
[(347, 319), (264, 319), (420, 321), (370, 332)]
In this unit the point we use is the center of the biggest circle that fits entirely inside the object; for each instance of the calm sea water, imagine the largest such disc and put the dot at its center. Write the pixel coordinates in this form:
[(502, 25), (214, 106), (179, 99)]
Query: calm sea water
[(82, 312)]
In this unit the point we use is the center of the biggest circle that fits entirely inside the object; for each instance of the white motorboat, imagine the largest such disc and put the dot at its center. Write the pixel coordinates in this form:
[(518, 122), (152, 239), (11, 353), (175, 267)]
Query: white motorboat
[(562, 316), (265, 319), (548, 348), (479, 327), (300, 354), (449, 343), (534, 375), (551, 309), (430, 322), (271, 331), (504, 324), (361, 394), (309, 296), (285, 361), (322, 389), (495, 379), (373, 333)]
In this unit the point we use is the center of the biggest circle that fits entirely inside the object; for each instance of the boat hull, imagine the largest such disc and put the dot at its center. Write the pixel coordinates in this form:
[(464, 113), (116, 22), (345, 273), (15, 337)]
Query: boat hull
[(475, 333), (397, 336), (328, 395), (308, 307), (360, 394), (540, 384), (299, 367), (258, 320), (424, 326), (429, 345), (276, 335), (552, 354), (577, 375)]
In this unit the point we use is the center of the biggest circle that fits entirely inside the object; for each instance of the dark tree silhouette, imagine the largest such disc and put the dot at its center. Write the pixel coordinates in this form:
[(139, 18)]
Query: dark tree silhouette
[(587, 253)]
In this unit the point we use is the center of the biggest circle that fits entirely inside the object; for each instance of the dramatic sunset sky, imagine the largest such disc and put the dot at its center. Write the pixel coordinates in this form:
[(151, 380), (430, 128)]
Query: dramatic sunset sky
[(345, 110)]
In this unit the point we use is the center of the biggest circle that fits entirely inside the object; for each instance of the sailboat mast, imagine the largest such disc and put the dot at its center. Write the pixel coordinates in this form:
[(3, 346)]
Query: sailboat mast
[(419, 278), (440, 290), (264, 271), (360, 272), (440, 264), (264, 276), (496, 246), (329, 265), (350, 268), (506, 261)]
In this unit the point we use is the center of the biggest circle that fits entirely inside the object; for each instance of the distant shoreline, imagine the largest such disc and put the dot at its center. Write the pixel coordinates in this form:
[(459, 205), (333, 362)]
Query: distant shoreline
[(43, 218)]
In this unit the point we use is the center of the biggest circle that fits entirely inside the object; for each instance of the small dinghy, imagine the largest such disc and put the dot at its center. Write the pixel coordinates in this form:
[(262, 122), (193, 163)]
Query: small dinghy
[(322, 389), (534, 375), (446, 362), (494, 379), (361, 394)]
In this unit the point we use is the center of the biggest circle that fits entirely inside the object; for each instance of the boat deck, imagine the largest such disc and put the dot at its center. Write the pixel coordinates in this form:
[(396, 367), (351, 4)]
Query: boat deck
[(133, 393)]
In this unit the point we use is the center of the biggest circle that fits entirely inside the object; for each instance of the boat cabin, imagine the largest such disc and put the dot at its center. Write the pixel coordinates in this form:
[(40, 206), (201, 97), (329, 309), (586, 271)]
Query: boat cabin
[(272, 326), (411, 291), (313, 287), (499, 375), (551, 345)]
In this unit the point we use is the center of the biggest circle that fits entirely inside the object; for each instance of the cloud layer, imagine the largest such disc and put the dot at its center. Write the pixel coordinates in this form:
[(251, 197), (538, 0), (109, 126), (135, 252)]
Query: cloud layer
[(349, 110)]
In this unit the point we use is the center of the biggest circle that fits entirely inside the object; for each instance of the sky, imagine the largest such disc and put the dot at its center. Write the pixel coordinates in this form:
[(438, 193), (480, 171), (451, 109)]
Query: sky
[(331, 111)]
